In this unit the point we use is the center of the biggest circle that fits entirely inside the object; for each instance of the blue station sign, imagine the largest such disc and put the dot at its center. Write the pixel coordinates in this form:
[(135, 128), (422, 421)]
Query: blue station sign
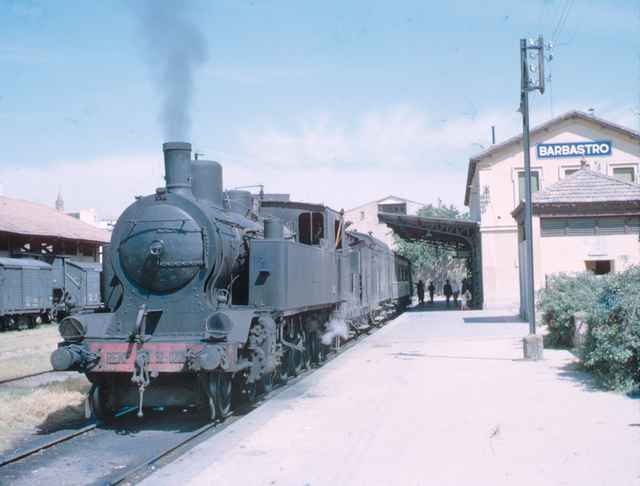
[(576, 149)]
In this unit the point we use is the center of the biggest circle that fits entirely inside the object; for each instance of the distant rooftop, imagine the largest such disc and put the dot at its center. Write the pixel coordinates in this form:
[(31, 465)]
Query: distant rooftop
[(22, 217), (390, 199)]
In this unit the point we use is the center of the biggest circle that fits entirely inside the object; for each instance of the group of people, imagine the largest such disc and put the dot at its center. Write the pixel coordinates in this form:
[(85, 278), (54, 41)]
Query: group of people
[(450, 291)]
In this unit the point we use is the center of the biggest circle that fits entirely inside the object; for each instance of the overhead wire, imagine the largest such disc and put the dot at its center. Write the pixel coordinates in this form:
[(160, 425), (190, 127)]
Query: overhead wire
[(564, 15)]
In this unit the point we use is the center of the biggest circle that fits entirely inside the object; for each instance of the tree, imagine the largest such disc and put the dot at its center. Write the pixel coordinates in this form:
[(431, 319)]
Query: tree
[(431, 262)]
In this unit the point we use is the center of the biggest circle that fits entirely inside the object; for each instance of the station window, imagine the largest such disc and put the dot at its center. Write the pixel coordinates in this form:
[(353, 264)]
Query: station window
[(535, 183), (310, 228), (627, 174), (568, 172), (399, 208)]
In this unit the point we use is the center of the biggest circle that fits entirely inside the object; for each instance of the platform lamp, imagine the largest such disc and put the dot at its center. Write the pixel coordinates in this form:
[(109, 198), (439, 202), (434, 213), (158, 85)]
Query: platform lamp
[(532, 79)]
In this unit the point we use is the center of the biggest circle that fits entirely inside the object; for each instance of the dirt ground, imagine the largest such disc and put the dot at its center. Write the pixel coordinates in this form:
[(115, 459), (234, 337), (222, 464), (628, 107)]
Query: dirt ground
[(26, 352), (40, 410)]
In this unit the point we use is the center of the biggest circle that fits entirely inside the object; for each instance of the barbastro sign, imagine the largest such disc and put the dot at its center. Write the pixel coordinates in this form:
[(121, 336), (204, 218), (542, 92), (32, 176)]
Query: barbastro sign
[(574, 149)]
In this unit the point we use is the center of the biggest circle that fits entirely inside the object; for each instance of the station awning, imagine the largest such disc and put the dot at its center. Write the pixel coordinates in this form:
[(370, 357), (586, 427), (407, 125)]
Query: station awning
[(454, 233)]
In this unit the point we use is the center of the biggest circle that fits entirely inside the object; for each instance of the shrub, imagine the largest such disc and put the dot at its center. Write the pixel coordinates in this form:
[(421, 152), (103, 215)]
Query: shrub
[(612, 347), (563, 296)]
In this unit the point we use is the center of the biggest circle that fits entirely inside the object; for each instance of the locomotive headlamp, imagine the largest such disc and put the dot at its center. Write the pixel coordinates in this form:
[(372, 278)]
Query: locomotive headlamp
[(72, 329)]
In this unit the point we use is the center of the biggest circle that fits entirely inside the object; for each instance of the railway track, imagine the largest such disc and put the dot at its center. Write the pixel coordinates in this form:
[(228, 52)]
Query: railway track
[(82, 448), (46, 445), (24, 377)]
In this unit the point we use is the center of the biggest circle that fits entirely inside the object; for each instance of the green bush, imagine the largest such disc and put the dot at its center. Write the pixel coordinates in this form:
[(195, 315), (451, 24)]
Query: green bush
[(563, 296), (612, 347)]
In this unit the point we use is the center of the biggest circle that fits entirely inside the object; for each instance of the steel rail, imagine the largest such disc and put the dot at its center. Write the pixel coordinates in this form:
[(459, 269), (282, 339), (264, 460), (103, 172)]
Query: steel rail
[(29, 452), (18, 378)]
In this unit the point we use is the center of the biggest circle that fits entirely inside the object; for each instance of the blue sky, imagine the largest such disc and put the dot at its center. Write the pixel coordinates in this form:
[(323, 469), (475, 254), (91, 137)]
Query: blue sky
[(333, 101)]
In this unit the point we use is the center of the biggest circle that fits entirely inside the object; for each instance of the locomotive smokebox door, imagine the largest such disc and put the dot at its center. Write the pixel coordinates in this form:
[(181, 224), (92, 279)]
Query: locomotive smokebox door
[(164, 249)]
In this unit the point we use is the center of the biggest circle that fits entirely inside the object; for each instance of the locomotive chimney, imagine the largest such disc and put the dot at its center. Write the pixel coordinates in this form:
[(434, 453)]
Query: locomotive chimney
[(207, 181), (177, 167)]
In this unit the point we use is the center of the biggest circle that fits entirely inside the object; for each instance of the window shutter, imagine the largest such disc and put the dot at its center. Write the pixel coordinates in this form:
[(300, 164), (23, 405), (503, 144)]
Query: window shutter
[(611, 226), (553, 226), (581, 227)]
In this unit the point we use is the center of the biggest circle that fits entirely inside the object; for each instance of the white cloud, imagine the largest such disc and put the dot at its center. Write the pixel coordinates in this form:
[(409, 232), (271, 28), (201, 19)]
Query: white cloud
[(323, 158), (108, 185), (398, 137)]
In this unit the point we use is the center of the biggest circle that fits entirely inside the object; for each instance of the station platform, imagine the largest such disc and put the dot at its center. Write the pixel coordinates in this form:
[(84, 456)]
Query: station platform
[(434, 398)]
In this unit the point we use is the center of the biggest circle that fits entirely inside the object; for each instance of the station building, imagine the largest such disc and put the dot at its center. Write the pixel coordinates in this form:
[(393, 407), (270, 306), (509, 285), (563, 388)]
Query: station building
[(364, 218), (586, 204), (28, 228)]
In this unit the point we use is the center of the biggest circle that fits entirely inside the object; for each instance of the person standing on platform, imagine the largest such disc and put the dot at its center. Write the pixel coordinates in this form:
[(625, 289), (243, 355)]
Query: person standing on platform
[(447, 291), (432, 290), (455, 290), (466, 300), (420, 286)]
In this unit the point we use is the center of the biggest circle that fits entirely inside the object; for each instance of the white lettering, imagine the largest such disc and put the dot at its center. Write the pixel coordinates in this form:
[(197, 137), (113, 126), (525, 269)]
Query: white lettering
[(574, 149)]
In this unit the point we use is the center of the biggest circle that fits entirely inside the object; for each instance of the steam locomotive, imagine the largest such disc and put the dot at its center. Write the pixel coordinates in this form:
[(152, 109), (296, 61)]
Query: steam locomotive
[(211, 300)]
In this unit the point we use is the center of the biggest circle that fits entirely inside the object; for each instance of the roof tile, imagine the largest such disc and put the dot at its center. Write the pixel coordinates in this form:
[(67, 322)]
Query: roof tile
[(588, 186)]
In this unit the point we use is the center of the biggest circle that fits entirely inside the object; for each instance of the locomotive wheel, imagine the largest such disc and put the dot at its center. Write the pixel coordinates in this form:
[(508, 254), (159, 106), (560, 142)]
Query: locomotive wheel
[(24, 322), (98, 405), (294, 362), (314, 348), (282, 371), (220, 393), (250, 392), (306, 355), (266, 382), (299, 356)]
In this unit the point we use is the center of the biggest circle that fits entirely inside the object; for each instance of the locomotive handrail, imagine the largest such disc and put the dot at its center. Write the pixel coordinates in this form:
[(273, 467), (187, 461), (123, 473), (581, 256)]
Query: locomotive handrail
[(183, 264), (156, 230)]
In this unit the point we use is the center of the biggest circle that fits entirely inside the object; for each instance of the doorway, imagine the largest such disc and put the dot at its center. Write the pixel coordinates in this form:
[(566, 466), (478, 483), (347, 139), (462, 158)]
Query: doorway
[(599, 267)]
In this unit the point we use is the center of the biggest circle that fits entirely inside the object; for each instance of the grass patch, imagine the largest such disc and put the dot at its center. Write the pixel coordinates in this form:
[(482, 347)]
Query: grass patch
[(40, 410), (26, 352)]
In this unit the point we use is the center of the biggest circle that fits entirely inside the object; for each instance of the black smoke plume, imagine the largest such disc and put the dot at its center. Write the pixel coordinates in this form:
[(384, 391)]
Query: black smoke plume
[(175, 47)]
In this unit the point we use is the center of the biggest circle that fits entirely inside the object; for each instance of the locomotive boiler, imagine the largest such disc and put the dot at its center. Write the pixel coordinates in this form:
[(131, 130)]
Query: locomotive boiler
[(215, 300)]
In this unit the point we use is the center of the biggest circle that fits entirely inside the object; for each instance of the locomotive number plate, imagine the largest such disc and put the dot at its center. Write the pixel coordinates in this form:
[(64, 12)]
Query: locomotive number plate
[(116, 358), (169, 357), (163, 357)]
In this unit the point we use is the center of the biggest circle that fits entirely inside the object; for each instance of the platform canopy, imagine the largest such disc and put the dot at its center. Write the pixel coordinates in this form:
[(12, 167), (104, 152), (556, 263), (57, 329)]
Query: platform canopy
[(459, 235), (456, 234)]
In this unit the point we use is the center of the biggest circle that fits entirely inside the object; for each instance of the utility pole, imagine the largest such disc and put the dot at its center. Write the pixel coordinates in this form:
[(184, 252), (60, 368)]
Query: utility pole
[(532, 78)]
